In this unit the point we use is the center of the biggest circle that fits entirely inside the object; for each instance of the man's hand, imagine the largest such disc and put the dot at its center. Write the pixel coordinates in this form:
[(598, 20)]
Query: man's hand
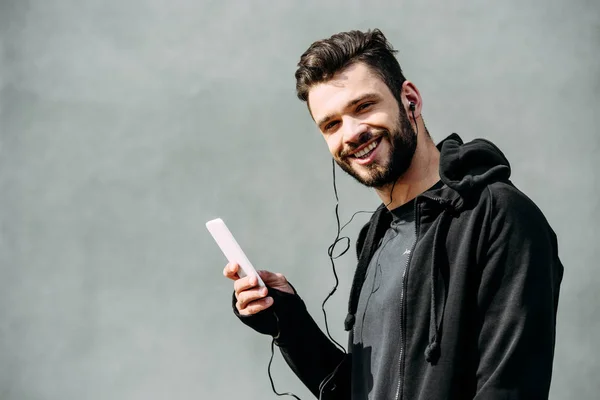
[(252, 299)]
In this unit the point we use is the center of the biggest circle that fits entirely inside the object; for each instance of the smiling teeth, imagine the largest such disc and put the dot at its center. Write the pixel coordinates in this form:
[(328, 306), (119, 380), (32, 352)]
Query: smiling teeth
[(366, 150)]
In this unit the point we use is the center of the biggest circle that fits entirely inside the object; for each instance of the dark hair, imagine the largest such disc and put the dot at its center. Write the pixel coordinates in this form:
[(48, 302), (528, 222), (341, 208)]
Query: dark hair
[(324, 58)]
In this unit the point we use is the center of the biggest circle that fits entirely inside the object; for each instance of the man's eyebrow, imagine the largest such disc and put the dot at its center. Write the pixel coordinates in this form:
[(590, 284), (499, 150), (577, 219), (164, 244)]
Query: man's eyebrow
[(351, 103)]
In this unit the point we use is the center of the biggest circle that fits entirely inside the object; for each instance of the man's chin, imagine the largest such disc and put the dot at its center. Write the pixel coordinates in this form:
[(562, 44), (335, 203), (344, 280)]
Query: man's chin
[(376, 182), (374, 177)]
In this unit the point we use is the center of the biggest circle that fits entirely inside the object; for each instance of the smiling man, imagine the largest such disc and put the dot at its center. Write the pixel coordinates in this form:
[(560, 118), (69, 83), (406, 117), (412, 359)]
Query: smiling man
[(457, 282), (369, 135)]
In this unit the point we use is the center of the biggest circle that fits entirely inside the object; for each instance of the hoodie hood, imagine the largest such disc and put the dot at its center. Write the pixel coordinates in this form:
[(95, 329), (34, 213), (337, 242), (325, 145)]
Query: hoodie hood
[(468, 167)]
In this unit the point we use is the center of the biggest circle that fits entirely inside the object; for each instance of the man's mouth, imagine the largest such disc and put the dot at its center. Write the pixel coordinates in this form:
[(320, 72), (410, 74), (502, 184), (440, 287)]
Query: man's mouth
[(366, 151)]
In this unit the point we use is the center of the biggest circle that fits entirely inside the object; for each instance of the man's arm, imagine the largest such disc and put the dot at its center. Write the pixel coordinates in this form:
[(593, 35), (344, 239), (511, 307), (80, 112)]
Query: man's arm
[(303, 345), (517, 300)]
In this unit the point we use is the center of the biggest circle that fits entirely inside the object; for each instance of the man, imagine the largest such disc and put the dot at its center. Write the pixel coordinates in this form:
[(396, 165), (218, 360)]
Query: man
[(457, 283)]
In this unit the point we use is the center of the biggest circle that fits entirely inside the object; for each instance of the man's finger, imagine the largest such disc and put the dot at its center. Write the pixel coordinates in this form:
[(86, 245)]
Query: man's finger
[(230, 271), (245, 283), (276, 280), (248, 296), (269, 276), (257, 306)]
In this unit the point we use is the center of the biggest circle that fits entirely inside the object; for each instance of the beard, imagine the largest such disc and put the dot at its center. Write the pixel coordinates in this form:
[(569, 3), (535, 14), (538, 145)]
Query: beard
[(403, 143)]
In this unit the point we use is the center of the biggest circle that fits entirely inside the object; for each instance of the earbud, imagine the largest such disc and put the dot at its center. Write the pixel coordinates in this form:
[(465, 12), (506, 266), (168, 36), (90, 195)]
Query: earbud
[(411, 106)]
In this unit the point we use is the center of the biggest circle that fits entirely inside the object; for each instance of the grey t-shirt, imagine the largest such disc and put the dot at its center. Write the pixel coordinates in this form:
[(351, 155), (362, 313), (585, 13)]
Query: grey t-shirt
[(376, 344)]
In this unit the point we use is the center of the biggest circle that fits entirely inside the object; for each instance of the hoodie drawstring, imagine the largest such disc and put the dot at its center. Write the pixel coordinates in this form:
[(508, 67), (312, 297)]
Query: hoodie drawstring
[(432, 351)]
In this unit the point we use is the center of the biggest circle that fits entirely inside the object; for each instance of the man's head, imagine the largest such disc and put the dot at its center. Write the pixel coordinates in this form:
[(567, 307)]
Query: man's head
[(358, 96)]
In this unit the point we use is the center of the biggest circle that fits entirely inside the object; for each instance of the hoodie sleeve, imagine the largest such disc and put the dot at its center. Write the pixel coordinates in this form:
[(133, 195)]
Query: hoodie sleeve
[(306, 349), (517, 298)]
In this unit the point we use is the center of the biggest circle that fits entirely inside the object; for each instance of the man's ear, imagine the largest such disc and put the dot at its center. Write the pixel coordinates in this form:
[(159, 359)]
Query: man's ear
[(411, 99)]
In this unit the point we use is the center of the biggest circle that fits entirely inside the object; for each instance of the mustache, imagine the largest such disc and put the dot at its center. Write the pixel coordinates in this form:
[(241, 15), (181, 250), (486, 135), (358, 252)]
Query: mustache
[(362, 139)]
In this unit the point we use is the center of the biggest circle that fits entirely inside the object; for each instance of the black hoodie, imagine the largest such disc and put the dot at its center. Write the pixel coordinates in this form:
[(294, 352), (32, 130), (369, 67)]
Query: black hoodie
[(480, 293)]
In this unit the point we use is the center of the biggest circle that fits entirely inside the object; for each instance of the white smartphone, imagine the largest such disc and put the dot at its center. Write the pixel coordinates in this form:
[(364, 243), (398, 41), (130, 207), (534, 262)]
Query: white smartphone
[(231, 249)]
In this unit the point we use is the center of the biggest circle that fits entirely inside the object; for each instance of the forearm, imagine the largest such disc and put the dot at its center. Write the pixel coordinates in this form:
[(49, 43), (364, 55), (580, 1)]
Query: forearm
[(303, 345), (310, 353)]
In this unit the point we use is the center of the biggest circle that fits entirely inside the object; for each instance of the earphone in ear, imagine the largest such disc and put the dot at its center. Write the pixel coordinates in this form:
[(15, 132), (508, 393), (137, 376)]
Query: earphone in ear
[(411, 105)]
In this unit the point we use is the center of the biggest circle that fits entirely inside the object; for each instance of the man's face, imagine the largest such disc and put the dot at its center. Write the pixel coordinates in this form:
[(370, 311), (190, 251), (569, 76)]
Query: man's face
[(368, 134)]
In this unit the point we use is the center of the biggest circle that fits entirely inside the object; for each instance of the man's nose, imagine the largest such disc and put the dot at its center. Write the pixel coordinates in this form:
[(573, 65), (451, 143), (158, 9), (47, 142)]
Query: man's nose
[(353, 130)]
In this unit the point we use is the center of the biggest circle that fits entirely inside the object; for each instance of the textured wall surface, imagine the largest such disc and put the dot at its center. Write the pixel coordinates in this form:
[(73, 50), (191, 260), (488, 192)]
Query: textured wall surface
[(126, 125)]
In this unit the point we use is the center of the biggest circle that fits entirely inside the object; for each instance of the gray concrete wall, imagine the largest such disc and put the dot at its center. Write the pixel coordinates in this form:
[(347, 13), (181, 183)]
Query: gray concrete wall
[(125, 126)]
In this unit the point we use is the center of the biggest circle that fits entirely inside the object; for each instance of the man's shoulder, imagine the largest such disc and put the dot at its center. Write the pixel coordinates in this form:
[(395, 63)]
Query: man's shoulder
[(509, 206), (506, 197)]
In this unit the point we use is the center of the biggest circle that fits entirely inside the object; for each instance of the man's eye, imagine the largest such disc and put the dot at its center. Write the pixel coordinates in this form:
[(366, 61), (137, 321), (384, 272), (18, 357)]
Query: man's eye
[(330, 125), (363, 106)]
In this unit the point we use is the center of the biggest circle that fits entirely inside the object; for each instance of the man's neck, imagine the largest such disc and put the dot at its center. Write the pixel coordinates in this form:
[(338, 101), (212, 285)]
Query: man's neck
[(422, 174)]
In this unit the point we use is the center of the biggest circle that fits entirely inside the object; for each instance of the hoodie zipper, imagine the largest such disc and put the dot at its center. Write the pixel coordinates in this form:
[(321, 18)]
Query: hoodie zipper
[(403, 306), (402, 295)]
